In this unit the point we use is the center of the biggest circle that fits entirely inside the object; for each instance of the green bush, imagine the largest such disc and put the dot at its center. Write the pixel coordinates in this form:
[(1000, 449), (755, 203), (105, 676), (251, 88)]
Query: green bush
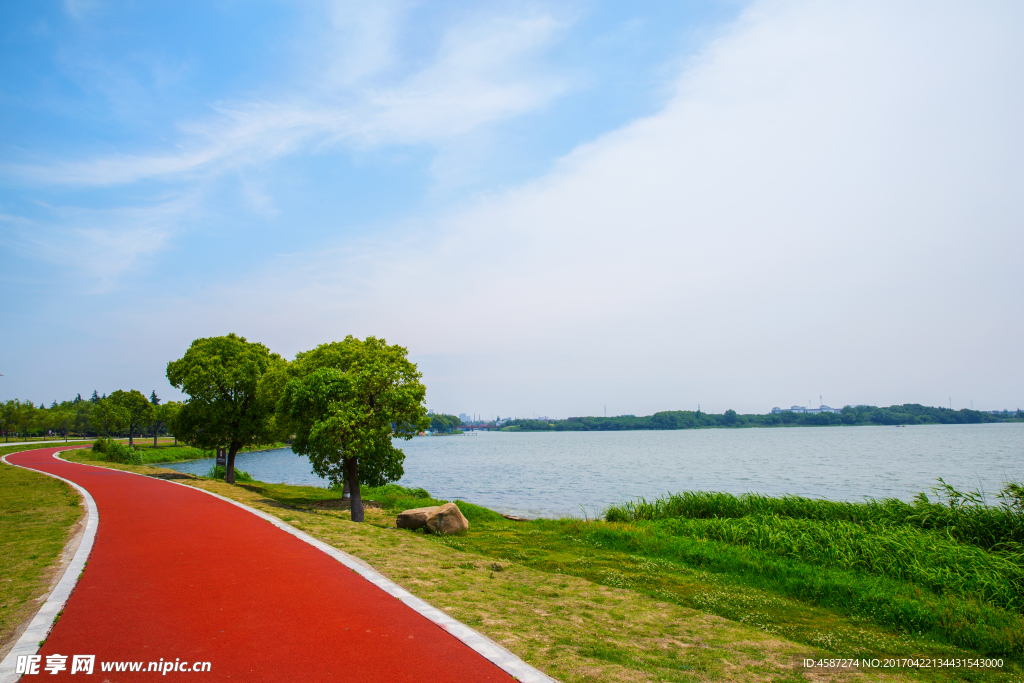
[(118, 452), (476, 513), (218, 472), (100, 446)]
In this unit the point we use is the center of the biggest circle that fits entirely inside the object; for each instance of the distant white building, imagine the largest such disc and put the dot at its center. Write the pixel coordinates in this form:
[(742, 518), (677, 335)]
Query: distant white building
[(464, 417), (804, 409)]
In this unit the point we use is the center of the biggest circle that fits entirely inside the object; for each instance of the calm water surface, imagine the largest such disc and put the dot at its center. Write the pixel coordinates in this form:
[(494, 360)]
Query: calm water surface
[(565, 473)]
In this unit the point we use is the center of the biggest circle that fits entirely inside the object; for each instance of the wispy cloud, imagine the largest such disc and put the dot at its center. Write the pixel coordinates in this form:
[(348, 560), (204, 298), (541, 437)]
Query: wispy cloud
[(484, 71), (100, 245)]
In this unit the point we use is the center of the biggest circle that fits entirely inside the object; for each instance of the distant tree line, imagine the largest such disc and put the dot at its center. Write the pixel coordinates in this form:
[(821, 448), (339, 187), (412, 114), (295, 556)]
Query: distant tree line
[(906, 414), (440, 422), (122, 413)]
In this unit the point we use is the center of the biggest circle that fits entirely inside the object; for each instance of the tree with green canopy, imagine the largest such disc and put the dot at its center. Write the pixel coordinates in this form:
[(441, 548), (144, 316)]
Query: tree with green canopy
[(345, 403), (62, 418), (168, 414), (108, 417), (136, 407), (27, 417), (83, 416), (226, 408), (9, 411), (161, 416)]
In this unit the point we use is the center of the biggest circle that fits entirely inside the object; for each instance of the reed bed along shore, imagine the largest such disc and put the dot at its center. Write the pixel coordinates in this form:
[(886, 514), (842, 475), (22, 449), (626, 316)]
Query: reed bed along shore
[(966, 516), (951, 565)]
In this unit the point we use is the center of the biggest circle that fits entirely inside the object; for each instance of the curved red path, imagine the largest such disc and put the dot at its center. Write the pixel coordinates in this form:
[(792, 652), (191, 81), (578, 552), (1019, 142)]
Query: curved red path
[(176, 573)]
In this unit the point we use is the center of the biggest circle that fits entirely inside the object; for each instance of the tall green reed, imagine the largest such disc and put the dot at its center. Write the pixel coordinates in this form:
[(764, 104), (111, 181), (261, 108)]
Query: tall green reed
[(965, 516)]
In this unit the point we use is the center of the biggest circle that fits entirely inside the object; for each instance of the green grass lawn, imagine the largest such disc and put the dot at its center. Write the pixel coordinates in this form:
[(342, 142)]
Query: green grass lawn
[(37, 516)]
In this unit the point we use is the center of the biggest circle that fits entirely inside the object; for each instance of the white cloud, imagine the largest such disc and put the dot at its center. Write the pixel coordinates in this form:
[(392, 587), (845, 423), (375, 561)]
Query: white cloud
[(827, 205), (483, 72), (99, 245)]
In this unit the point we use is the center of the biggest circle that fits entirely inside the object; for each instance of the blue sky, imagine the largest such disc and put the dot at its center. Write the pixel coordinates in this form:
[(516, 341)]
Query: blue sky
[(555, 206)]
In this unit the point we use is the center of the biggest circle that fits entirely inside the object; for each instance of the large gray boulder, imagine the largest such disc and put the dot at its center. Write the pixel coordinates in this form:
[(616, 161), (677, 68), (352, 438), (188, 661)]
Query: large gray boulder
[(415, 518), (443, 519), (447, 519)]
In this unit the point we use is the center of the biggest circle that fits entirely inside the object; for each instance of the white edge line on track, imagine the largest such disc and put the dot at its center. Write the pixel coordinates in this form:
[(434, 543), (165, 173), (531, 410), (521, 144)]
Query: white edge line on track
[(481, 644), (41, 624)]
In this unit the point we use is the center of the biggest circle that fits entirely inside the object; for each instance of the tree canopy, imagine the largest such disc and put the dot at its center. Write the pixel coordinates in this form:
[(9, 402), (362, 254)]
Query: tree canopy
[(137, 410), (225, 408), (109, 417), (345, 402)]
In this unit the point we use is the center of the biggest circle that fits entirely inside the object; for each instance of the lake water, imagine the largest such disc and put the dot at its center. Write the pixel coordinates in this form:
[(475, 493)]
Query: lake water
[(552, 474)]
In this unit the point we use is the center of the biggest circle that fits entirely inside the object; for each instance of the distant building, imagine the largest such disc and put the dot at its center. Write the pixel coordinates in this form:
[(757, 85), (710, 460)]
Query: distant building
[(803, 409), (464, 417)]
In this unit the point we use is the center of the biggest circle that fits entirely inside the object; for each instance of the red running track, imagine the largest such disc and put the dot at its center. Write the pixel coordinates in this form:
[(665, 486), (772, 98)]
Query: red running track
[(178, 574)]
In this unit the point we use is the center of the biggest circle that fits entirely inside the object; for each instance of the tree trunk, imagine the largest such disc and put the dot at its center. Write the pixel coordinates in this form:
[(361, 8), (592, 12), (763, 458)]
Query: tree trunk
[(229, 470), (131, 431), (155, 430), (352, 477), (346, 493)]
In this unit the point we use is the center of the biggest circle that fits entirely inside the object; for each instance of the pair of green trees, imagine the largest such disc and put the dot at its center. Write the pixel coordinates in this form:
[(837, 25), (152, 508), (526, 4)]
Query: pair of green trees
[(342, 402)]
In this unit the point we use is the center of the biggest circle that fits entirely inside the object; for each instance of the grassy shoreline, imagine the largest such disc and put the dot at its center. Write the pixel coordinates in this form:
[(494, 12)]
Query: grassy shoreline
[(585, 600)]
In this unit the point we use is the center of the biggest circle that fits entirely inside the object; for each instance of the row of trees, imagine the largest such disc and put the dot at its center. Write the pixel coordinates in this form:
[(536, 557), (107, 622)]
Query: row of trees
[(343, 403), (123, 412), (906, 414)]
